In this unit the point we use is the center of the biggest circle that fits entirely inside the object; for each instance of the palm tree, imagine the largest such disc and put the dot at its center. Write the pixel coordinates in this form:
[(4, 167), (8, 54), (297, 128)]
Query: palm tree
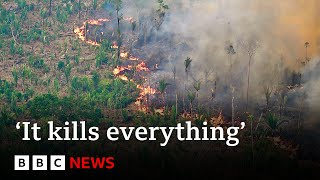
[(162, 88), (230, 51), (274, 123), (197, 86), (161, 12), (187, 64)]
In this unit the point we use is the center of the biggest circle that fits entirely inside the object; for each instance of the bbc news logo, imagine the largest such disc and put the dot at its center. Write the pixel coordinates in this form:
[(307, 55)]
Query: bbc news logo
[(58, 162)]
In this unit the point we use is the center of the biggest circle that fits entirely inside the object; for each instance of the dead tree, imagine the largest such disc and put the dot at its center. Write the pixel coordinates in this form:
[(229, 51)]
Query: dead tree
[(174, 72), (250, 47), (206, 73), (118, 4), (267, 89), (230, 52), (306, 45)]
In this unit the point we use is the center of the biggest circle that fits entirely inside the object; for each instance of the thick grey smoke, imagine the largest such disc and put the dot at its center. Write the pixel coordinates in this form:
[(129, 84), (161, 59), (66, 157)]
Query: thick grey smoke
[(207, 27), (312, 88)]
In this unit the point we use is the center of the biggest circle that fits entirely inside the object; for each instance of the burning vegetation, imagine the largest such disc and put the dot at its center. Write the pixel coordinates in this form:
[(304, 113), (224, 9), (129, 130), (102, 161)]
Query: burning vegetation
[(202, 88), (143, 41), (162, 62)]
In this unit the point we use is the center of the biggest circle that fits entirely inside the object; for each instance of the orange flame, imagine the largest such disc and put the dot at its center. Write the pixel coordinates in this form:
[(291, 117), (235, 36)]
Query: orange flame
[(146, 90), (124, 54), (80, 31), (123, 77), (142, 67), (114, 47), (119, 71), (98, 22)]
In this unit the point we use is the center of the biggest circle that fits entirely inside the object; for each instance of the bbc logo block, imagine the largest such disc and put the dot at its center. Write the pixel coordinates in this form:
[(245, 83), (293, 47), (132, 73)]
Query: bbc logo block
[(21, 162), (57, 162), (39, 162)]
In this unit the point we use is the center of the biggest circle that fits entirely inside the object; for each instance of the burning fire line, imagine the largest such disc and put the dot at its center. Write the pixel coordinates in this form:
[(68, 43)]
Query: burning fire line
[(144, 91), (120, 70), (81, 33)]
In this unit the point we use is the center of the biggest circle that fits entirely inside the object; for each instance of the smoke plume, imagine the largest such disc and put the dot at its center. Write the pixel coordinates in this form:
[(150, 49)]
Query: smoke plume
[(208, 27)]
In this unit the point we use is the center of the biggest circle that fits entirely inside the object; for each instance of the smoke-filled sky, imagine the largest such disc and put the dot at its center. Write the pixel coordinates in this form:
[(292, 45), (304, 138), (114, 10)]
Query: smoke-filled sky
[(280, 26), (285, 24)]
